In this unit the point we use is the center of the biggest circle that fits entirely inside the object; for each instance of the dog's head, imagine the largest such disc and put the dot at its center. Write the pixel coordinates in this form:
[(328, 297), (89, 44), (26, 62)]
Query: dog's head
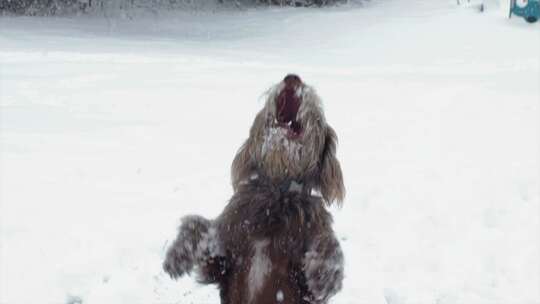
[(290, 140)]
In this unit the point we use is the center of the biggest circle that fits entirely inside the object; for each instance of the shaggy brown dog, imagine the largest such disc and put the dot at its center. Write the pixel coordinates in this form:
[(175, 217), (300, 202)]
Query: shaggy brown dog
[(274, 242)]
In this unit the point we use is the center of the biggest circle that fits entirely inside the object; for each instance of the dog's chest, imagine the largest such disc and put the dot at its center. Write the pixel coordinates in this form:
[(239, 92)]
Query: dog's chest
[(265, 232), (266, 275)]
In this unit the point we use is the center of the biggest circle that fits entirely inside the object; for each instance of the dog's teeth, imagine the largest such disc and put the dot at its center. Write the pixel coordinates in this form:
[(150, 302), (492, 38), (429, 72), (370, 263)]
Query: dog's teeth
[(290, 123)]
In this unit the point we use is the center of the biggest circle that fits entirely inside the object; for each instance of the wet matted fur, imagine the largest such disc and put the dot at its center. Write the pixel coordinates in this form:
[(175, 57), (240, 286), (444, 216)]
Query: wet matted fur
[(274, 241)]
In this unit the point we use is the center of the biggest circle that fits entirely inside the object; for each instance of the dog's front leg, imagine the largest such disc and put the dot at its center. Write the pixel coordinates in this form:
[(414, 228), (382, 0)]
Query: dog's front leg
[(323, 268), (196, 246)]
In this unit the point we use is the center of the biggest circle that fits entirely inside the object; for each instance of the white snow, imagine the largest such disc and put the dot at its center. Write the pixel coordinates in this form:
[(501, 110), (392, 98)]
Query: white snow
[(110, 131)]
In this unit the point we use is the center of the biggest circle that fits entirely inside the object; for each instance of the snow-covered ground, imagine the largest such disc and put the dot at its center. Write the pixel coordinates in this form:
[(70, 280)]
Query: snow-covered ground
[(111, 130)]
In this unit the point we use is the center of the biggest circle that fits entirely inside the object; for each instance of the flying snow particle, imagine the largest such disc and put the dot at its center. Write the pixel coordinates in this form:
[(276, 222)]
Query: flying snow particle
[(279, 296)]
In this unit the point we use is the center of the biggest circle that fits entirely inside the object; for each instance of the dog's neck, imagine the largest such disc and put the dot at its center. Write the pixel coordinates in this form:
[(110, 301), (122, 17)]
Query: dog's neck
[(287, 185), (291, 185)]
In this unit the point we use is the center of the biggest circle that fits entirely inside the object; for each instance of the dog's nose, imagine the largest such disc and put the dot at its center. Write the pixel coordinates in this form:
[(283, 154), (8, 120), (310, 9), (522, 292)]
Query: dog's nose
[(292, 80), (291, 77)]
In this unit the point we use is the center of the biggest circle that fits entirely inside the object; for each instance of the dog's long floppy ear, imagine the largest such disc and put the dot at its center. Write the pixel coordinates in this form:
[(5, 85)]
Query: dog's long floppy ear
[(241, 165), (331, 177)]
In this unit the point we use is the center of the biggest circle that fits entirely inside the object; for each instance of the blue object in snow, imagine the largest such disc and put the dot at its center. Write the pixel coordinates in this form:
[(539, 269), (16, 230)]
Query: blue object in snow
[(528, 9)]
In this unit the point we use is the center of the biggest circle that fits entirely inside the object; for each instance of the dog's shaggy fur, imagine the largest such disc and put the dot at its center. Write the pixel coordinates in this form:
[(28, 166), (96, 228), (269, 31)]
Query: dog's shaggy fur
[(274, 242)]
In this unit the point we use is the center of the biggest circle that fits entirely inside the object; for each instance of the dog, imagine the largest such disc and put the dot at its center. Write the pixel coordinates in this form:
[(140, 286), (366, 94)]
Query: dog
[(273, 242)]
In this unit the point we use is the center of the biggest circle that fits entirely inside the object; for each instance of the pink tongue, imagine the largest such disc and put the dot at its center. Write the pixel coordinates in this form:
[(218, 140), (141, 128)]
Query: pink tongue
[(287, 105)]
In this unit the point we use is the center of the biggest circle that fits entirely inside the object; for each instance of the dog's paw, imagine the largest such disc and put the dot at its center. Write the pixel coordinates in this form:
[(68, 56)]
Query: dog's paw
[(178, 262), (185, 251), (323, 269)]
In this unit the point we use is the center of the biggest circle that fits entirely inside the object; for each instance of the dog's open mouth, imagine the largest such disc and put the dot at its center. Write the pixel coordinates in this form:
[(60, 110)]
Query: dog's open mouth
[(287, 106), (286, 112)]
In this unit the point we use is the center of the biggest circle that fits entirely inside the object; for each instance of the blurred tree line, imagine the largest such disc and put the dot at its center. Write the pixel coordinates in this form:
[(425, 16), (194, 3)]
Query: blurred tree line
[(63, 7)]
